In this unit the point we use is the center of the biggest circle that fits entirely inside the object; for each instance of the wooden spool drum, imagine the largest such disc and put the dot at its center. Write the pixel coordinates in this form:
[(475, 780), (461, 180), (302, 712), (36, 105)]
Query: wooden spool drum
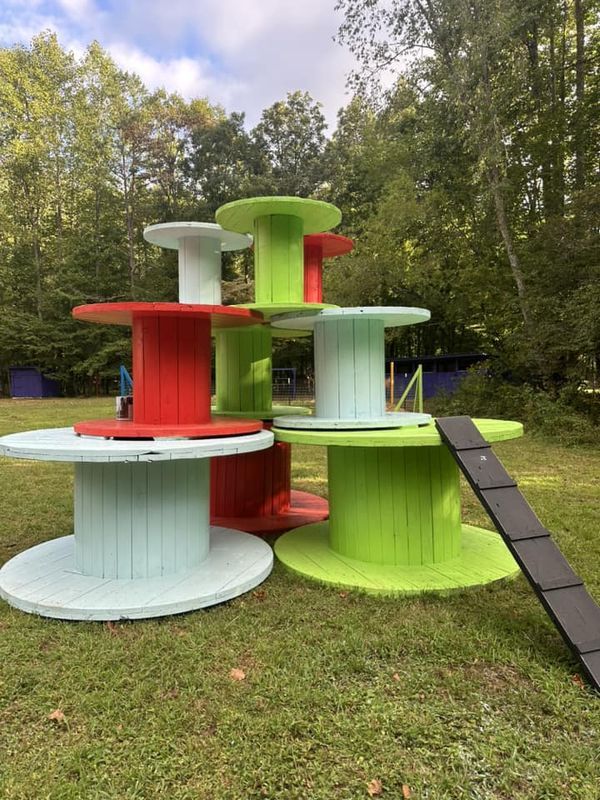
[(171, 369), (349, 345), (395, 524), (142, 544)]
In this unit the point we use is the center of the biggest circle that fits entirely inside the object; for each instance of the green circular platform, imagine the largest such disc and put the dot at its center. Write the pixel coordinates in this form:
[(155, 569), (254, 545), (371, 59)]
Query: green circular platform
[(483, 559), (267, 413), (269, 310), (316, 215), (494, 430)]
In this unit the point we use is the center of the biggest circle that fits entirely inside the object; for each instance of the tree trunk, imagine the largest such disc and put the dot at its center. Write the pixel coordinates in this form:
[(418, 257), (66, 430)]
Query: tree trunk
[(37, 260), (579, 121), (493, 174)]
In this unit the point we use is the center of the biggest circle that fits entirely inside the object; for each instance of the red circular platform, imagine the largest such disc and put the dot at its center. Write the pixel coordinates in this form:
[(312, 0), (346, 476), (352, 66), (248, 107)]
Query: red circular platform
[(330, 244), (123, 313), (304, 509), (125, 429)]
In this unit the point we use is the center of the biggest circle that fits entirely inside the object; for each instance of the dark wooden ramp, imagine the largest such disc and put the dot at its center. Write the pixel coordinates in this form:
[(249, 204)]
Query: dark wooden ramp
[(562, 593)]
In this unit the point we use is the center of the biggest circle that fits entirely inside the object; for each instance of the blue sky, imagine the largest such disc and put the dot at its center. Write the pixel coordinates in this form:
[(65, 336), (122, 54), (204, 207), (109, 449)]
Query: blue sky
[(243, 54)]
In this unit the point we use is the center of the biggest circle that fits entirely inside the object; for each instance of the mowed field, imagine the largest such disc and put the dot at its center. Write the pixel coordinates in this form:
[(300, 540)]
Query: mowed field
[(297, 690)]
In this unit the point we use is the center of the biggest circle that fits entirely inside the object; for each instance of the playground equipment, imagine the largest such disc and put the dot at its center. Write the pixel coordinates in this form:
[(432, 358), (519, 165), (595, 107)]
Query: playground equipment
[(560, 591), (253, 491), (142, 544), (394, 497)]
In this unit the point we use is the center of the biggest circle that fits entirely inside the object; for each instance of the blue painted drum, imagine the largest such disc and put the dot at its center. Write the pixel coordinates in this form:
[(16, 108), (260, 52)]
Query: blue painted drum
[(142, 544), (349, 346)]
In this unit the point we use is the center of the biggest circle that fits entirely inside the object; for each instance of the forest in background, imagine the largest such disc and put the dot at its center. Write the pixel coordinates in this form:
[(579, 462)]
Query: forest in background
[(470, 187)]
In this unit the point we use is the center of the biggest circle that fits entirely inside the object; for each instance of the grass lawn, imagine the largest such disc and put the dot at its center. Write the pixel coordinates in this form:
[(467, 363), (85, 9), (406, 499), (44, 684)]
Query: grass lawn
[(471, 695)]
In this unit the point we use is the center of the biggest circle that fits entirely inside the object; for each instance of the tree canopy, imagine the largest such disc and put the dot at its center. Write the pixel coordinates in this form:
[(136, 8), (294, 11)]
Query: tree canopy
[(470, 185)]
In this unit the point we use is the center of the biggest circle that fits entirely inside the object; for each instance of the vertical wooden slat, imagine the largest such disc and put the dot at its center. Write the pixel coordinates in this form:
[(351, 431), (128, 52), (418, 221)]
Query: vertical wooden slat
[(109, 520), (167, 379), (124, 483), (139, 520), (155, 500)]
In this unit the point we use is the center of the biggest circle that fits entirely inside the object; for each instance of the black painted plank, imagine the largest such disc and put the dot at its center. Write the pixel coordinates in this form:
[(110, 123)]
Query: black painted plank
[(485, 468), (460, 433), (578, 615), (562, 593), (545, 565), (511, 513), (591, 665)]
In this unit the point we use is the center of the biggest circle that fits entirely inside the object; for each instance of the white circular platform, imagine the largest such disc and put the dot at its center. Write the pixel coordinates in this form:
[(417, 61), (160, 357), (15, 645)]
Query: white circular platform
[(169, 234), (43, 581), (392, 316), (395, 419), (63, 444)]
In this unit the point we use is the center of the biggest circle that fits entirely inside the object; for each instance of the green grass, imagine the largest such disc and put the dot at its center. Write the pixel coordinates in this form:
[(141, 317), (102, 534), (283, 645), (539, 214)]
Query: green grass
[(466, 696)]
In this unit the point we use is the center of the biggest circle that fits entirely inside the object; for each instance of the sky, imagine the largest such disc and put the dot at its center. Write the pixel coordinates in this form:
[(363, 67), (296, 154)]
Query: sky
[(243, 54)]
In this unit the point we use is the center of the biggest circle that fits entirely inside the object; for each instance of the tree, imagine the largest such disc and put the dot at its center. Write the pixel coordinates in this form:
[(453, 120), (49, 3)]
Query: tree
[(291, 136)]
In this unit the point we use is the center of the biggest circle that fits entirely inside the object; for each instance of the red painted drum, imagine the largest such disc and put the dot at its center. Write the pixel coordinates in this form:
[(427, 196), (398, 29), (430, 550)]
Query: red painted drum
[(171, 369), (251, 492), (318, 246)]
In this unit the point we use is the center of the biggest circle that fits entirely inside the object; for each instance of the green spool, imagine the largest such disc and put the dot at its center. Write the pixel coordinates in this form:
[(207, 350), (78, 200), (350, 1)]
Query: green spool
[(278, 225), (394, 505), (243, 367)]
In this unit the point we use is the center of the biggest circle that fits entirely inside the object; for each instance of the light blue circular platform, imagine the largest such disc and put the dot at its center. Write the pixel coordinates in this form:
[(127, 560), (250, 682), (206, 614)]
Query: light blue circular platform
[(398, 419)]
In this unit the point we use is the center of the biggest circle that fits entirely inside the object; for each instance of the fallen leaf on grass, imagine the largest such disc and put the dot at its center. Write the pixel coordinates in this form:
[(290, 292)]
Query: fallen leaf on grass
[(343, 595), (112, 628), (57, 716), (395, 677), (578, 681), (405, 791), (259, 594), (237, 674), (374, 788)]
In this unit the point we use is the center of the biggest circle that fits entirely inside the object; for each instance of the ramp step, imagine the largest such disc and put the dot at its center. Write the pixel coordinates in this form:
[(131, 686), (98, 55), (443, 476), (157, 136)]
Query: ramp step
[(578, 616), (545, 565), (560, 590), (485, 468)]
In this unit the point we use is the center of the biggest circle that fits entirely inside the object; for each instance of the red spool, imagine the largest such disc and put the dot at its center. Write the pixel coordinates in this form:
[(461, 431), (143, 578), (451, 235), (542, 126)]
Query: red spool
[(171, 369), (318, 246), (252, 492)]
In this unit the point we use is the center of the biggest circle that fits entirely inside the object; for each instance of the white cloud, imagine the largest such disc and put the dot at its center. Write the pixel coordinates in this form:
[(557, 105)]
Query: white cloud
[(243, 54)]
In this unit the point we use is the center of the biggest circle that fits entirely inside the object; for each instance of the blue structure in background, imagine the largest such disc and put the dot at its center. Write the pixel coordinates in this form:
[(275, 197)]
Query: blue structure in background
[(29, 382), (125, 382), (440, 373)]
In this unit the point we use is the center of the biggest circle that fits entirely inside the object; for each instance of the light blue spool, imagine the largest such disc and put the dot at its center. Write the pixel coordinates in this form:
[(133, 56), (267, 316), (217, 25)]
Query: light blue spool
[(349, 345), (142, 545)]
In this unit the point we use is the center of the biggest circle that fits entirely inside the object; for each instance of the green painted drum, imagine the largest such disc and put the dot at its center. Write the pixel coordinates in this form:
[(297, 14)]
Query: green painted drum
[(395, 518), (279, 259), (243, 369), (278, 225), (394, 505)]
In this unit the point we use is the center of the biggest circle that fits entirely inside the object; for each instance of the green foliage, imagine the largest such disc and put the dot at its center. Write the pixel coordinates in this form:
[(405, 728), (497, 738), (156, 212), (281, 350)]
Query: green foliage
[(470, 186), (571, 421)]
